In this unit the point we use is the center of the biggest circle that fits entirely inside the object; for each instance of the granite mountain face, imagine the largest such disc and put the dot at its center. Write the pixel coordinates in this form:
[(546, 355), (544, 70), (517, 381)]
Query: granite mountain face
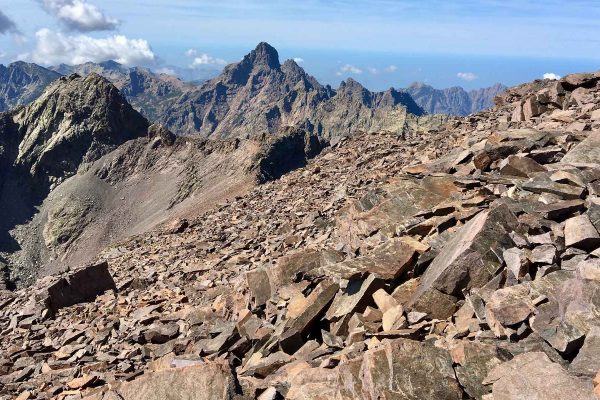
[(285, 94)]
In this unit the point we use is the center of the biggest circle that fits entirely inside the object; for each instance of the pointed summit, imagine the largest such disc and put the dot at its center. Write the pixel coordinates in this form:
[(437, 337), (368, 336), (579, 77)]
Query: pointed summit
[(264, 55)]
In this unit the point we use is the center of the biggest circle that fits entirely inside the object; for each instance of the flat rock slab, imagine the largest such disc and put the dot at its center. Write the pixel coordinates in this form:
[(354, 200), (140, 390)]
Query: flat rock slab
[(581, 233), (199, 382), (398, 369), (546, 186), (585, 153), (408, 369), (534, 376), (520, 166), (387, 262), (470, 258)]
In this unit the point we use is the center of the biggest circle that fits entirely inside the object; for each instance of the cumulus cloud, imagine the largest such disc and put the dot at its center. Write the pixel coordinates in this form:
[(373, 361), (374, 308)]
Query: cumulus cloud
[(191, 52), (205, 59), (377, 71), (7, 25), (55, 48), (349, 69), (299, 60), (467, 76), (166, 71), (551, 75), (79, 15)]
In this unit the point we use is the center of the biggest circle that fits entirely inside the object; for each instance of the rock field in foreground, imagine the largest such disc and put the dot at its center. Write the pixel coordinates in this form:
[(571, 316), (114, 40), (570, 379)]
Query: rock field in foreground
[(459, 262)]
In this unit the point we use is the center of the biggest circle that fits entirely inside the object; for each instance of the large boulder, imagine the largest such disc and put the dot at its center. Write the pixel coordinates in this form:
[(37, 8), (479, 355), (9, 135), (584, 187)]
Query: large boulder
[(586, 152), (471, 258), (534, 376), (78, 286), (198, 382)]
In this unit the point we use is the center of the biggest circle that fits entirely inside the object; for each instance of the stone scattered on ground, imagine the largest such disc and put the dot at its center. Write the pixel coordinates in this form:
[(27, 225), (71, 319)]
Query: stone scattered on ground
[(459, 261)]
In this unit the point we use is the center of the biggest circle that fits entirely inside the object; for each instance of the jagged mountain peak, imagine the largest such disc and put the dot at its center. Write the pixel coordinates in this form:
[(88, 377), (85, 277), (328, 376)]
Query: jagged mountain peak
[(258, 95), (77, 119), (264, 55)]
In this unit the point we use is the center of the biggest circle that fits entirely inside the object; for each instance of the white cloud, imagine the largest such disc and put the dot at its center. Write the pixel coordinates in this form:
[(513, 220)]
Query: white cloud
[(79, 15), (551, 75), (191, 52), (349, 69), (205, 59), (377, 71), (55, 48), (467, 76), (166, 71), (298, 60)]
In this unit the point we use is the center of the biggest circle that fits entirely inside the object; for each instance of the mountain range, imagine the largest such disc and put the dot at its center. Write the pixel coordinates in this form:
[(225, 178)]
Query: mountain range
[(455, 100), (188, 107)]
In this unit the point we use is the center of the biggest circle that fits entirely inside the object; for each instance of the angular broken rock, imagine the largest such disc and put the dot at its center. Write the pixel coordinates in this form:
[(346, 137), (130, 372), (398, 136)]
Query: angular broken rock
[(290, 265), (355, 297), (388, 262), (533, 376), (585, 153), (393, 319), (474, 360), (581, 233), (259, 286), (587, 361), (520, 166), (409, 369), (516, 261), (80, 286), (508, 306), (198, 382), (471, 257), (572, 309), (295, 329)]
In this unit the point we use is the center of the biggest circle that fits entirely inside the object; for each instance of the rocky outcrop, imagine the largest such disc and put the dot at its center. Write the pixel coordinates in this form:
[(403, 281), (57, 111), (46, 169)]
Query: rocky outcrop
[(290, 149), (455, 100), (21, 83), (77, 120), (259, 95)]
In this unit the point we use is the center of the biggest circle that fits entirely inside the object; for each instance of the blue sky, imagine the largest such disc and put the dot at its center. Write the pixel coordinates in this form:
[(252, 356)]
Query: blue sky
[(381, 43)]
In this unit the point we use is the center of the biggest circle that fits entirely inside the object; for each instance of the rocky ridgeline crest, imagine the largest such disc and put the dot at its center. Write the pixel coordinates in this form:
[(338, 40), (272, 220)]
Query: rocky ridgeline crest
[(259, 95), (460, 261)]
